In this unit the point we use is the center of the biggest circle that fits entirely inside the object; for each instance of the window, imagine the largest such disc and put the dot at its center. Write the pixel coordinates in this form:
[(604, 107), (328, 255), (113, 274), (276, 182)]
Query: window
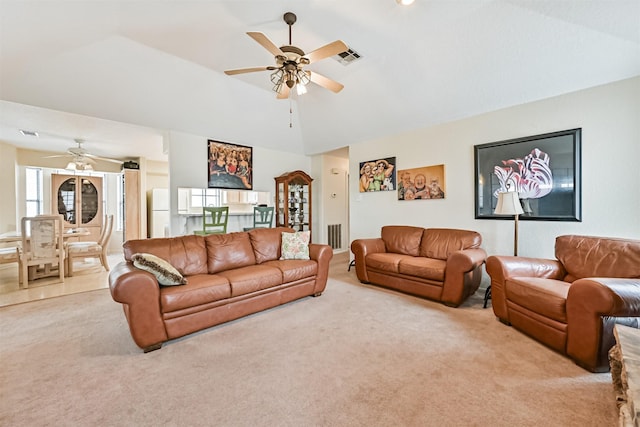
[(33, 184)]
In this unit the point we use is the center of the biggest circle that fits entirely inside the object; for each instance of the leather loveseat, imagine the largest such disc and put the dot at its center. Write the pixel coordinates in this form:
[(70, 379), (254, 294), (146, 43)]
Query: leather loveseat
[(571, 303), (228, 276), (440, 264)]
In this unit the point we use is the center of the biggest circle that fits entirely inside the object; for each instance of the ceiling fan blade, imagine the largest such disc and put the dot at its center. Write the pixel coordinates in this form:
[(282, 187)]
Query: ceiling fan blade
[(326, 51), (248, 70), (90, 158), (266, 43), (284, 92), (57, 155), (325, 82)]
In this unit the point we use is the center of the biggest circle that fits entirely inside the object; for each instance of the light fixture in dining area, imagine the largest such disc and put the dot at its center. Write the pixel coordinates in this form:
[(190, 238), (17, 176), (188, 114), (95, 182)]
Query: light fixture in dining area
[(79, 165), (404, 2)]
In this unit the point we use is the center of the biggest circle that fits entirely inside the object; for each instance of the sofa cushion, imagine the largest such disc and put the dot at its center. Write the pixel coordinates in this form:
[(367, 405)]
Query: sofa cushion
[(187, 254), (293, 270), (253, 278), (426, 268), (385, 261), (439, 243), (227, 251), (546, 297), (166, 274), (201, 289), (402, 239), (588, 256), (267, 243), (295, 245)]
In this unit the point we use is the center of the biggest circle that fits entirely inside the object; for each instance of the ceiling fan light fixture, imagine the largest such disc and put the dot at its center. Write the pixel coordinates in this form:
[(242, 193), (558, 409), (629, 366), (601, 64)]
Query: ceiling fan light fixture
[(404, 2), (301, 89), (303, 77), (71, 166)]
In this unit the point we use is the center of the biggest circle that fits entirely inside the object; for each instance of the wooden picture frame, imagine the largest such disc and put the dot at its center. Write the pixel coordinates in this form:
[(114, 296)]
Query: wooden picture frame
[(544, 169), (230, 166)]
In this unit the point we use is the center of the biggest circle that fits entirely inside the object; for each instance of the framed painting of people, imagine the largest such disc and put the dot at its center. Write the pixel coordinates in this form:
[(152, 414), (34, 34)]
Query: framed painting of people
[(378, 175), (543, 169), (427, 182), (230, 165)]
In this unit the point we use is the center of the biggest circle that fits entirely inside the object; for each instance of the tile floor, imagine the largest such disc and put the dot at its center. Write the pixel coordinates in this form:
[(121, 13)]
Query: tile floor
[(88, 275)]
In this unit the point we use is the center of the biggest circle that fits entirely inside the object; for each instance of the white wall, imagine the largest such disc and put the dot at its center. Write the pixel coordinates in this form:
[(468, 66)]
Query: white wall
[(609, 116), (188, 168), (8, 207)]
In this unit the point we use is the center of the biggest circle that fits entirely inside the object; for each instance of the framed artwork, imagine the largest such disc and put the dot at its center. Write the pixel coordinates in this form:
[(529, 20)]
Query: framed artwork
[(230, 165), (378, 175), (543, 169), (421, 183)]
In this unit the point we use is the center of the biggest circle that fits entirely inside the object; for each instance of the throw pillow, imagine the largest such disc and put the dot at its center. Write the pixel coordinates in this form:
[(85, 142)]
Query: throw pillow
[(166, 274), (295, 245)]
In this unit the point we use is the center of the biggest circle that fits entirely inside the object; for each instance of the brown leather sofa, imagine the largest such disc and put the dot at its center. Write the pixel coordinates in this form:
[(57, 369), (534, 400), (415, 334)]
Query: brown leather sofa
[(440, 264), (571, 303), (228, 276)]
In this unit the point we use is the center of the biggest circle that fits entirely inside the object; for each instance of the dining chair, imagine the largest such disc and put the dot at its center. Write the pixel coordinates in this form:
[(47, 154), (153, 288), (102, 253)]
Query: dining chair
[(91, 249), (262, 217), (214, 220), (42, 248), (10, 255)]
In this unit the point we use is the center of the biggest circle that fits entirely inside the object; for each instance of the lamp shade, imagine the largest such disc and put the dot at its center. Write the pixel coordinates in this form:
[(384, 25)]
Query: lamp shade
[(508, 204)]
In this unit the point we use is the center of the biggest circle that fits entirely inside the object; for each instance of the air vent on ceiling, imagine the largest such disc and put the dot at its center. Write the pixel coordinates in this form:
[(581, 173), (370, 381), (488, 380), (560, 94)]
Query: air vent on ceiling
[(347, 57), (28, 132)]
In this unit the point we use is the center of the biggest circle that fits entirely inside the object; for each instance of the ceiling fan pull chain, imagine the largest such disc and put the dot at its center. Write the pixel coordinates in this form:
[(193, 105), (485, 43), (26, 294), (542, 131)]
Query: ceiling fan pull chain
[(290, 113)]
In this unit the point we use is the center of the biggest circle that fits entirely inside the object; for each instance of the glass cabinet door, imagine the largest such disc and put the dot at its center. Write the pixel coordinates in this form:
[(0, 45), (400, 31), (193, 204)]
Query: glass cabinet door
[(90, 201), (67, 200)]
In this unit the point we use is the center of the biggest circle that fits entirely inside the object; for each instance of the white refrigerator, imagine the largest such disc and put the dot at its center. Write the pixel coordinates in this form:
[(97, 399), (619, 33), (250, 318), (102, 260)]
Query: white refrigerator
[(158, 218)]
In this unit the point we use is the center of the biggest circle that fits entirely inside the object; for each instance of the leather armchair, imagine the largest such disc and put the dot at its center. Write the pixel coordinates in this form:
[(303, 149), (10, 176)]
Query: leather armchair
[(571, 303)]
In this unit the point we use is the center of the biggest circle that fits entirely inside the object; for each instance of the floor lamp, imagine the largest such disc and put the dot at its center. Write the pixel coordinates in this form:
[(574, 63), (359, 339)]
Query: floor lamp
[(509, 204)]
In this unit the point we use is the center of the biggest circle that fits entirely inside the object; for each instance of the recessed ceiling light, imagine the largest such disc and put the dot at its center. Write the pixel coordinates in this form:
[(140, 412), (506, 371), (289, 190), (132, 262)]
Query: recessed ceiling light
[(404, 2), (29, 133)]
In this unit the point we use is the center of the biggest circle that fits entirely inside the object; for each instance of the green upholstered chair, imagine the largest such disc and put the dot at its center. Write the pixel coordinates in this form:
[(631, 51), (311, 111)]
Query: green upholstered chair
[(214, 220), (262, 217)]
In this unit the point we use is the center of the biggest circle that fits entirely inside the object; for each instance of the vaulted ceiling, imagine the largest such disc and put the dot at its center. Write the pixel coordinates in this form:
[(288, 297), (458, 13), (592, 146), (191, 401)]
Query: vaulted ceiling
[(119, 74)]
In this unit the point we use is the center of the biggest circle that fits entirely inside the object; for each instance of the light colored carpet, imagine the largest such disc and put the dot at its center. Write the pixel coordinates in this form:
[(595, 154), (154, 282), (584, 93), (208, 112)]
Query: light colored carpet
[(355, 356)]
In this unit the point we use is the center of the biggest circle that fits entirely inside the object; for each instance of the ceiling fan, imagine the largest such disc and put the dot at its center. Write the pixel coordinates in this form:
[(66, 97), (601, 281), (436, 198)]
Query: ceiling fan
[(81, 159), (290, 61)]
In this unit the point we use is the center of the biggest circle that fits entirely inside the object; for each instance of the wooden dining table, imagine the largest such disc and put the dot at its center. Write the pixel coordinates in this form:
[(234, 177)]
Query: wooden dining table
[(16, 236)]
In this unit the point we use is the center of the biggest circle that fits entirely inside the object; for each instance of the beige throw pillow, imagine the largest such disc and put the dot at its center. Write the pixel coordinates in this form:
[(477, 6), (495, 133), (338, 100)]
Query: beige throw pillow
[(166, 274), (295, 245)]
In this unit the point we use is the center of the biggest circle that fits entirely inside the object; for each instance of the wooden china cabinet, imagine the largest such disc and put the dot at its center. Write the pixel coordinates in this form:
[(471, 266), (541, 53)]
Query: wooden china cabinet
[(79, 200), (293, 200)]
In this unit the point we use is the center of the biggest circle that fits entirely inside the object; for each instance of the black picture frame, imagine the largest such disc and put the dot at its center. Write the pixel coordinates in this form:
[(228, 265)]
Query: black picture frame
[(230, 166), (545, 170)]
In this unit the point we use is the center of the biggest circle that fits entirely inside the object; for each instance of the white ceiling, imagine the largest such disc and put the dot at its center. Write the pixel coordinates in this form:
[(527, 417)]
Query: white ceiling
[(120, 73)]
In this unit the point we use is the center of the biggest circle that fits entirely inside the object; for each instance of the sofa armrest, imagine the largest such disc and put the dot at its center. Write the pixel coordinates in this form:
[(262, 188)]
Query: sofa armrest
[(592, 306), (499, 268), (139, 293), (322, 254), (462, 275), (361, 248)]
